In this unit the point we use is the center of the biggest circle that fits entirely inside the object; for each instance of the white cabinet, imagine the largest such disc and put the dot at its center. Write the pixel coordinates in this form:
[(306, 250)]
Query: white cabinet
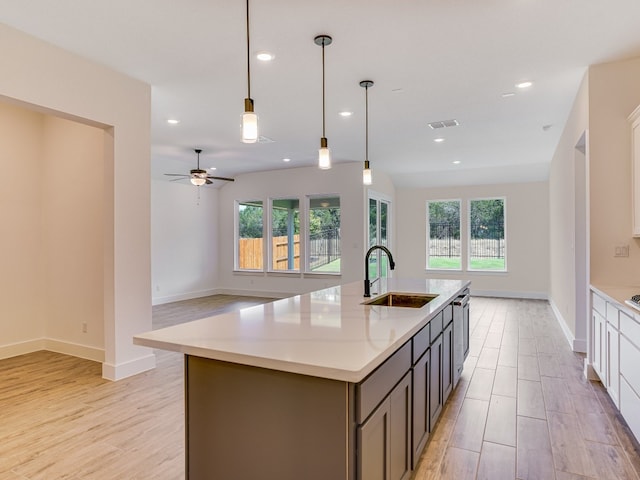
[(614, 354), (598, 360), (634, 119)]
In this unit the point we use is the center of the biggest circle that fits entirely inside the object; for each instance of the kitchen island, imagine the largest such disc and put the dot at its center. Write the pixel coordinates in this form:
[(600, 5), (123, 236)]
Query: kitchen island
[(317, 386)]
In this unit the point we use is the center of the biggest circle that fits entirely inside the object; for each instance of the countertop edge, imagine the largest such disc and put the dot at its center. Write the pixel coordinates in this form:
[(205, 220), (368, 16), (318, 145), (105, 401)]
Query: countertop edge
[(292, 366)]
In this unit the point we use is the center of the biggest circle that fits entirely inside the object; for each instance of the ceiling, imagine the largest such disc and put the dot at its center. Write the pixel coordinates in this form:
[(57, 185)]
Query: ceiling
[(430, 60)]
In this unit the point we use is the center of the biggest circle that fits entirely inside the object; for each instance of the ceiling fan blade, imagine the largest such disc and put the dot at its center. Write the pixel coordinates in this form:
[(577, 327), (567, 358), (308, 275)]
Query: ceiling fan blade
[(176, 175), (209, 182), (178, 179), (222, 178)]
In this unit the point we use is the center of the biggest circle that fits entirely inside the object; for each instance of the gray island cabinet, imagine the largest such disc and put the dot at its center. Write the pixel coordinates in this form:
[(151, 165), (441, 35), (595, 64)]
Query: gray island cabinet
[(319, 386)]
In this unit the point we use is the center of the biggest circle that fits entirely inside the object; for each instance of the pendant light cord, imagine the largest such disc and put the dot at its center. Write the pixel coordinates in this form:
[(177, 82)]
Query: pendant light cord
[(248, 57), (366, 123), (323, 122)]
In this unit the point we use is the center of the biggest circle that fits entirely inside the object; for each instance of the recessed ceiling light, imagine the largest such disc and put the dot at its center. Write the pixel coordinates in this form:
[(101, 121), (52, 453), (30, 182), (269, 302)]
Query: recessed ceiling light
[(345, 113), (212, 168), (524, 84), (508, 94), (286, 159), (456, 162), (173, 121), (438, 140), (265, 56)]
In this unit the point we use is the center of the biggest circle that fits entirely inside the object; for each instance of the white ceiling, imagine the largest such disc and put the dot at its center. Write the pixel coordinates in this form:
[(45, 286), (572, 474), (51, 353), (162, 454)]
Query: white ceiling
[(430, 60)]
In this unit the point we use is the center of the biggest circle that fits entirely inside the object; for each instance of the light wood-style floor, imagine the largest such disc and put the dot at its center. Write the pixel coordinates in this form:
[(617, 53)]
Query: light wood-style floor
[(522, 409)]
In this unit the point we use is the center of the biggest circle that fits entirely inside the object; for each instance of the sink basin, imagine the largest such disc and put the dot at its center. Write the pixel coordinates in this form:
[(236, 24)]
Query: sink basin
[(410, 300)]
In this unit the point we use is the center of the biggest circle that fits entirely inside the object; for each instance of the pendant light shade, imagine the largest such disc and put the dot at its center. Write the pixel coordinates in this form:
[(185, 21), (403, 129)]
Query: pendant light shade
[(367, 177), (324, 154), (249, 118)]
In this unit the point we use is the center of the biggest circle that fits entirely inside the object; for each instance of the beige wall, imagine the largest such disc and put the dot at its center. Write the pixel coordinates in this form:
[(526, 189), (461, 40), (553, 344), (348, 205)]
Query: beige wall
[(54, 81), (53, 276), (72, 238), (613, 94), (527, 235), (20, 231)]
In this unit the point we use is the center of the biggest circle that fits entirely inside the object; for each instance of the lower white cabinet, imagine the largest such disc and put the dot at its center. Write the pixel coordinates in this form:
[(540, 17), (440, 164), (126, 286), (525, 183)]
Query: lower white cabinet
[(614, 354)]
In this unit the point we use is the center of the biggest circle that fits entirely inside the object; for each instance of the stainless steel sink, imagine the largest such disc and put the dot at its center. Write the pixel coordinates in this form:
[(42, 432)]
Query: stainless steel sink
[(409, 300)]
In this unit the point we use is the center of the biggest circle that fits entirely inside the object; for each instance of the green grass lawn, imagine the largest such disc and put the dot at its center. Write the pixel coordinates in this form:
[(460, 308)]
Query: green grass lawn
[(446, 263), (331, 267)]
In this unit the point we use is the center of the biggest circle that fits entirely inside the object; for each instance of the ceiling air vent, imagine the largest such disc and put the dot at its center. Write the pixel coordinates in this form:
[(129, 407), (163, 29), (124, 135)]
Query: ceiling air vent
[(443, 124)]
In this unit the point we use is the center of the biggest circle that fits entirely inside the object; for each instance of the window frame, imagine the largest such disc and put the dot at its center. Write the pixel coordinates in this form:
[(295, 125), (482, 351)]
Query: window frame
[(301, 239), (469, 240), (307, 232), (462, 235), (236, 236)]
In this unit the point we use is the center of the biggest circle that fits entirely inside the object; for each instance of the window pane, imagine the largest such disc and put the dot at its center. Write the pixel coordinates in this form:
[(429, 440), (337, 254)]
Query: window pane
[(285, 234), (443, 224), (373, 236), (250, 241), (486, 234), (324, 234), (384, 219)]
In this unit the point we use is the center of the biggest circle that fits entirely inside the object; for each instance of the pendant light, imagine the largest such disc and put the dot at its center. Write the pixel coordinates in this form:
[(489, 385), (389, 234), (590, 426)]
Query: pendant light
[(249, 118), (324, 154), (366, 172)]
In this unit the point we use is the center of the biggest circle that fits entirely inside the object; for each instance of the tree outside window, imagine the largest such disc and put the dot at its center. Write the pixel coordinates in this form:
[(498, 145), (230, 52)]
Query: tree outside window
[(443, 235), (250, 235), (486, 234), (324, 248)]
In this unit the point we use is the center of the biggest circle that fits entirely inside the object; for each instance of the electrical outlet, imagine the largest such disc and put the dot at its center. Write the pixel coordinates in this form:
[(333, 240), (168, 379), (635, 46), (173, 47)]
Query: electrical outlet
[(621, 251), (84, 327)]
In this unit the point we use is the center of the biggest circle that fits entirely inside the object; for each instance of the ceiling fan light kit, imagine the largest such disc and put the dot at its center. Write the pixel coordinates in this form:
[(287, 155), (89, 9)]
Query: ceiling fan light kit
[(197, 176)]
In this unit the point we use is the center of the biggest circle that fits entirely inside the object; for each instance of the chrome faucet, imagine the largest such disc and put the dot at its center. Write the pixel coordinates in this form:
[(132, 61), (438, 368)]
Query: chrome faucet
[(392, 265)]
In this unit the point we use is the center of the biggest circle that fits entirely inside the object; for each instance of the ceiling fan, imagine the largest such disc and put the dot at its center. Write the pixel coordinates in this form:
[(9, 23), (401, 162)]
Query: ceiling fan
[(197, 176)]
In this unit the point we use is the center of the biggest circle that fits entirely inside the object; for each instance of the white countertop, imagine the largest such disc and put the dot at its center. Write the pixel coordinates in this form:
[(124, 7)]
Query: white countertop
[(328, 333), (619, 295)]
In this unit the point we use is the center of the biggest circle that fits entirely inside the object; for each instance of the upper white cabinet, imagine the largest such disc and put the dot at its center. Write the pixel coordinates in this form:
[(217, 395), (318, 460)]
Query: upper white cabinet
[(634, 119)]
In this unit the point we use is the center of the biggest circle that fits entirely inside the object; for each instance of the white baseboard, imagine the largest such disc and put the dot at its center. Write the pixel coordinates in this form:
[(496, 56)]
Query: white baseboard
[(22, 348), (75, 350), (184, 296), (128, 369), (505, 294), (576, 344), (52, 345)]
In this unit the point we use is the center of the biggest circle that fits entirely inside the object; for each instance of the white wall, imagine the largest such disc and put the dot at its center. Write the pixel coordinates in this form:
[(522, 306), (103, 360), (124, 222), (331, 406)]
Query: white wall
[(527, 232), (344, 180), (562, 218), (184, 241), (51, 80)]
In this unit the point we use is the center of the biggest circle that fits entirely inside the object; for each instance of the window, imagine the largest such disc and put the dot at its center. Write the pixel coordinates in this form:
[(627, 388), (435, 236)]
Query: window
[(378, 235), (250, 236), (285, 235), (486, 234), (323, 252), (443, 235)]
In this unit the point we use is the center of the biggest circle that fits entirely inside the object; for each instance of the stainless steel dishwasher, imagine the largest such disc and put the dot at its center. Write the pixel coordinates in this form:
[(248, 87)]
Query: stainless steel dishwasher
[(460, 333)]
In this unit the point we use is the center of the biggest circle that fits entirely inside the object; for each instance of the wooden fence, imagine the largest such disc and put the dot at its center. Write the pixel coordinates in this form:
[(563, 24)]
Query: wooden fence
[(250, 253)]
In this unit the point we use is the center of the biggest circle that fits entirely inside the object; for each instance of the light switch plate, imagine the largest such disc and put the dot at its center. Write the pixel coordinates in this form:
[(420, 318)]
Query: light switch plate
[(621, 251)]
